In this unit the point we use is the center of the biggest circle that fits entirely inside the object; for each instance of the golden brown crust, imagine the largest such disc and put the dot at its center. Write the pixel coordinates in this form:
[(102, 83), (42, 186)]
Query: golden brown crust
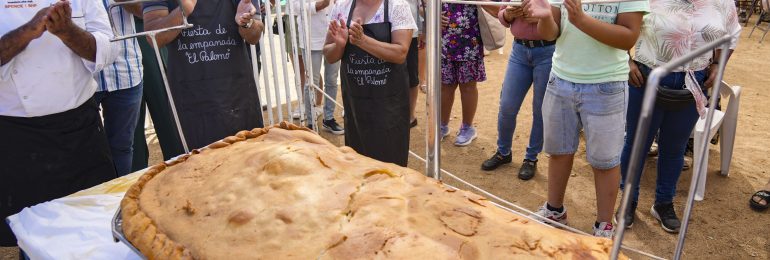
[(387, 211)]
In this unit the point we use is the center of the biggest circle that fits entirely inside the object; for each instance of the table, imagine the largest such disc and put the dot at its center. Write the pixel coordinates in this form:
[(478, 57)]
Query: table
[(75, 227)]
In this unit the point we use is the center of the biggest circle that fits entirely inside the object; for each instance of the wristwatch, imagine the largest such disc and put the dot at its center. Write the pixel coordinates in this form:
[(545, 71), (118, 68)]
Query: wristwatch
[(248, 25)]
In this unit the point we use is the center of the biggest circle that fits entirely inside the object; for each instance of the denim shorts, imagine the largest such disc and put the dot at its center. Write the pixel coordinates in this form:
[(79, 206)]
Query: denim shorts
[(599, 109)]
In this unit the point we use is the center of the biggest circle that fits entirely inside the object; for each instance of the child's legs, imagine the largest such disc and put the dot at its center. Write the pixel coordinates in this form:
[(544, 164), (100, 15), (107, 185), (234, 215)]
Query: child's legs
[(561, 125), (469, 97), (602, 112), (449, 83)]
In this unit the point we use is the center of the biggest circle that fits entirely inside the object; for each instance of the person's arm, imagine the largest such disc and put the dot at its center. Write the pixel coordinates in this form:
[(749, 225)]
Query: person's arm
[(621, 35), (336, 39), (15, 41), (549, 18), (714, 67), (59, 23), (245, 16), (160, 18), (393, 52), (135, 9)]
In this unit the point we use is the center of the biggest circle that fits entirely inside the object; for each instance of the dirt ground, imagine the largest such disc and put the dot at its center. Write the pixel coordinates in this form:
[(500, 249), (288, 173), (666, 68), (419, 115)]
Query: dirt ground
[(722, 226)]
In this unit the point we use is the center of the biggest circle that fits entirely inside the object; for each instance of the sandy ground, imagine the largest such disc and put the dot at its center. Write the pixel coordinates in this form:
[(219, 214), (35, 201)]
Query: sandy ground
[(722, 226)]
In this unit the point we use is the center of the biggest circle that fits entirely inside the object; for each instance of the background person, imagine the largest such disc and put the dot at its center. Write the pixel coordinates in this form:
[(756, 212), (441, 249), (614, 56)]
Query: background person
[(53, 142), (462, 65), (587, 90), (319, 24), (412, 59), (662, 40), (119, 88), (374, 78), (209, 70), (530, 62)]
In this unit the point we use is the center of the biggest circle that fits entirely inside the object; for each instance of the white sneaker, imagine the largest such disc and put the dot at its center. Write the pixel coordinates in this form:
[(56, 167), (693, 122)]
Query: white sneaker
[(556, 216), (605, 230)]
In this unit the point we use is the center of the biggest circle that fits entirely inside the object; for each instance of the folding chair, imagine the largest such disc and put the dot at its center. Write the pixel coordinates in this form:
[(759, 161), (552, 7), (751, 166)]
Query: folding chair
[(726, 123), (764, 16)]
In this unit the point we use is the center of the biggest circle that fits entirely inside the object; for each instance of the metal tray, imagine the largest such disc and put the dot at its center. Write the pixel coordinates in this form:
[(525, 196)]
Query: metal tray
[(118, 236)]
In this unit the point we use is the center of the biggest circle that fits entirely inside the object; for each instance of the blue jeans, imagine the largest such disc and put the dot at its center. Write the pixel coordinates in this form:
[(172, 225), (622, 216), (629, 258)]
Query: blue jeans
[(525, 66), (331, 75), (673, 128), (120, 110)]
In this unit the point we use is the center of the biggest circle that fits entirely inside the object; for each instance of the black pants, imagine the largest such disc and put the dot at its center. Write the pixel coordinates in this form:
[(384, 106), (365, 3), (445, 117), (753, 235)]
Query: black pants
[(48, 157)]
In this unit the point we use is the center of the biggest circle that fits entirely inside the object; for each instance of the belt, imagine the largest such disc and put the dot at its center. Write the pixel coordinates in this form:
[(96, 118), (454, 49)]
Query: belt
[(534, 43)]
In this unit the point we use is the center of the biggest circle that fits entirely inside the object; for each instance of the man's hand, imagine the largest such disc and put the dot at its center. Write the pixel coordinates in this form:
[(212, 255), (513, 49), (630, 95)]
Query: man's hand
[(575, 12), (512, 12), (339, 32), (245, 12), (36, 26), (713, 70), (59, 19), (635, 76), (539, 9), (356, 33)]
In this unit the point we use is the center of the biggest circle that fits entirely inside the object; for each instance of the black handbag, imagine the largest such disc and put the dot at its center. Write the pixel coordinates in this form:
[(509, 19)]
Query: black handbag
[(674, 99)]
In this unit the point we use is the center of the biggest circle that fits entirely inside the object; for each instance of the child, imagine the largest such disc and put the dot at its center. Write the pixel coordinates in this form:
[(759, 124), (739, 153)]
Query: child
[(586, 89)]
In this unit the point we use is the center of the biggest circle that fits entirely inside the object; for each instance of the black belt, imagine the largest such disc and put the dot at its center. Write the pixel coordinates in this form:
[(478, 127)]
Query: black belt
[(534, 43)]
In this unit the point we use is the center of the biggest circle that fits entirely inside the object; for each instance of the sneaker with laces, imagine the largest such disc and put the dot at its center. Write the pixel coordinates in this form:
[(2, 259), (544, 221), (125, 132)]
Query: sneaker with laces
[(444, 131), (466, 135), (666, 215), (605, 230), (332, 126), (496, 161), (543, 211), (527, 170)]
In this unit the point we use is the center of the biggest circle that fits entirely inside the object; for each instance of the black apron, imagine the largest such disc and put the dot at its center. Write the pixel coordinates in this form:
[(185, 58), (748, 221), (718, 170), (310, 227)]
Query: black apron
[(211, 77), (376, 99), (49, 157)]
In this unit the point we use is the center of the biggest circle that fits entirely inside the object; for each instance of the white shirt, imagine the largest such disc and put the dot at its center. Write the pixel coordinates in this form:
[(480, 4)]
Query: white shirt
[(126, 72), (398, 10), (47, 77), (319, 24)]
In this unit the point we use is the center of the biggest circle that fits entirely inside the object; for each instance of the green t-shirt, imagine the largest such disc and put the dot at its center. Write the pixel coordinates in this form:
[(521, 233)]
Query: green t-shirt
[(581, 59)]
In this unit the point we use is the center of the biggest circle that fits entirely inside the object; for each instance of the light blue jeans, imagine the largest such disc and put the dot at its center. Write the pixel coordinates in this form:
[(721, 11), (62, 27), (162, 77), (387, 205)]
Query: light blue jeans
[(525, 66), (599, 109), (331, 75)]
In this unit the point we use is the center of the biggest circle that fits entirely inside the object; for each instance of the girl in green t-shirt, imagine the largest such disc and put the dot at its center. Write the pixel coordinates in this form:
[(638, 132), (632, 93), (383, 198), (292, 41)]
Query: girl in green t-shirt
[(586, 91)]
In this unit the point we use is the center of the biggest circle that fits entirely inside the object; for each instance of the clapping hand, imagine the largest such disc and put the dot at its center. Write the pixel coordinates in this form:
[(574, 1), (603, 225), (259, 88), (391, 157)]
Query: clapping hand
[(58, 21), (36, 26), (539, 9), (575, 11), (245, 12), (339, 32), (356, 32), (512, 12)]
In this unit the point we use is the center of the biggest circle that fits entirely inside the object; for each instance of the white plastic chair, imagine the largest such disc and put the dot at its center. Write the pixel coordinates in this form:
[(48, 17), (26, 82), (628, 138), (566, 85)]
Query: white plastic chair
[(726, 122)]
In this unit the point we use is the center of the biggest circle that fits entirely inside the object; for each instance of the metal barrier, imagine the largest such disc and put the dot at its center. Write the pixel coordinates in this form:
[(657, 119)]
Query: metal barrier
[(152, 34)]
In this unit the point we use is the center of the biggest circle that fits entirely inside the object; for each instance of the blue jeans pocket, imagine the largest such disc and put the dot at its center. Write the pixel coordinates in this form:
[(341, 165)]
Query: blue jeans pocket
[(612, 88)]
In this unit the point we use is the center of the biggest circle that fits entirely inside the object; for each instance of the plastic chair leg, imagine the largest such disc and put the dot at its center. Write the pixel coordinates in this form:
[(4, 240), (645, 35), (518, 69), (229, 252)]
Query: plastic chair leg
[(726, 145), (700, 189)]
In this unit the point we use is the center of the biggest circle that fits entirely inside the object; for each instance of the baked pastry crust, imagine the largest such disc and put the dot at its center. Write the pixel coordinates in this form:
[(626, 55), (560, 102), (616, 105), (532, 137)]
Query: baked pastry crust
[(283, 192)]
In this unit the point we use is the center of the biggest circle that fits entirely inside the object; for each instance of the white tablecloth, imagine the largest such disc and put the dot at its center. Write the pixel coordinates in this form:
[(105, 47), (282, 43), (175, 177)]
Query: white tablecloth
[(74, 227)]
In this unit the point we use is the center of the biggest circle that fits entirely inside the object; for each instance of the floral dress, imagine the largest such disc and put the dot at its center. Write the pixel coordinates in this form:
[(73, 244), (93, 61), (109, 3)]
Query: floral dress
[(462, 51)]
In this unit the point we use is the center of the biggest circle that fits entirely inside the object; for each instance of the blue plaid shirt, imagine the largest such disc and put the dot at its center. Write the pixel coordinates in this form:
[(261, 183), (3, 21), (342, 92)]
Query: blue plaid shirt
[(127, 70)]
